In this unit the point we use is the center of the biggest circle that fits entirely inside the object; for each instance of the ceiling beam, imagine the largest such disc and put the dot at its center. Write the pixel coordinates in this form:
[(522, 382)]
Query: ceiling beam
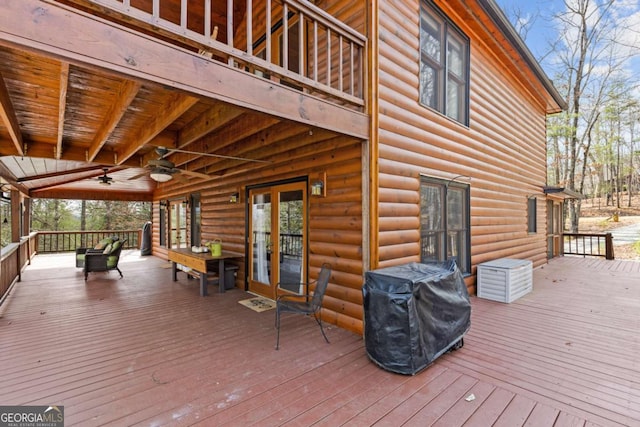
[(127, 92), (9, 118), (249, 126), (11, 179), (78, 154), (69, 180), (60, 173), (62, 106), (55, 193), (214, 118), (170, 112)]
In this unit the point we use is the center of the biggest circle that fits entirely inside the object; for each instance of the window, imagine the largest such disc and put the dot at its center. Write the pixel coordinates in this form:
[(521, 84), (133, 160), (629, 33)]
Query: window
[(444, 59), (532, 220), (444, 222)]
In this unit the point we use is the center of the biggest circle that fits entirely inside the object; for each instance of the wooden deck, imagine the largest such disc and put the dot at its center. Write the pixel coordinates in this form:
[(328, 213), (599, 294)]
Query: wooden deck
[(147, 351)]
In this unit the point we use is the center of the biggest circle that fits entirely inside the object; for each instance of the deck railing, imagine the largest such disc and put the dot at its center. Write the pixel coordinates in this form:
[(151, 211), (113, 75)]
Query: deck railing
[(589, 244), (322, 56), (290, 244), (65, 241), (13, 258)]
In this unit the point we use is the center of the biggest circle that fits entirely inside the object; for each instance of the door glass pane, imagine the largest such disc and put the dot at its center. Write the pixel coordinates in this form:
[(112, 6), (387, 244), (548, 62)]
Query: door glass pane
[(178, 238), (261, 231), (291, 232)]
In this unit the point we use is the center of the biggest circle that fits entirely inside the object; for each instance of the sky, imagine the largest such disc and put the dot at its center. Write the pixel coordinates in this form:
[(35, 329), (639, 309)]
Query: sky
[(536, 12), (543, 31)]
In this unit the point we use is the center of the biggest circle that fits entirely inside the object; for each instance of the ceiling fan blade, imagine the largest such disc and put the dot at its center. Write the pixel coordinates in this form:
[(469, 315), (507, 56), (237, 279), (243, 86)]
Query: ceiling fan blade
[(140, 175), (194, 174), (168, 151)]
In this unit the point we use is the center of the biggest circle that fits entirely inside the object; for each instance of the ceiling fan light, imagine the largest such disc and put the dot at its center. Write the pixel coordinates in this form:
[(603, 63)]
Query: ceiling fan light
[(160, 175)]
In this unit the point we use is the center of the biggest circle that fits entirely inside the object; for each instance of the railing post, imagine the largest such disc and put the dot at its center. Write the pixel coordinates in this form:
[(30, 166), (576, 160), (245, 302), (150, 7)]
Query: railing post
[(609, 246)]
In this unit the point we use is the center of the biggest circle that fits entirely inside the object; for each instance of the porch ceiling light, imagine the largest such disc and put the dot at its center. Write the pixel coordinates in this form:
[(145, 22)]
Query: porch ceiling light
[(160, 175)]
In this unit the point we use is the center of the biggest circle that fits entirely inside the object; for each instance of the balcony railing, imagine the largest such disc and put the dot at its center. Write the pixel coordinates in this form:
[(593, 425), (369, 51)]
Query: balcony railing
[(289, 41), (585, 244), (66, 241)]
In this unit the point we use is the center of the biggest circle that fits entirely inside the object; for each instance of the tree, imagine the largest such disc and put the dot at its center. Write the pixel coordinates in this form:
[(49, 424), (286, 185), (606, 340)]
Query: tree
[(588, 59), (52, 215), (66, 215)]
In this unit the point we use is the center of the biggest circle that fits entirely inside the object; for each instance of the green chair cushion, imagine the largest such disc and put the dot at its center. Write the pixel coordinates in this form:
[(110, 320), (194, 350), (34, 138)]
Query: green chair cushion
[(103, 243), (116, 245), (80, 257), (107, 249), (112, 261)]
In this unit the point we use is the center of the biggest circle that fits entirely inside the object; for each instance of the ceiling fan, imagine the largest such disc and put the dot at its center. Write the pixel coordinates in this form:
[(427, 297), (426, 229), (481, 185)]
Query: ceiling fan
[(104, 179), (162, 170)]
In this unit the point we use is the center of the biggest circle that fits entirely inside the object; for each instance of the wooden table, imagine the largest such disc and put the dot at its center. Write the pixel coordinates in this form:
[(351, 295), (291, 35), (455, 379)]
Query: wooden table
[(201, 263)]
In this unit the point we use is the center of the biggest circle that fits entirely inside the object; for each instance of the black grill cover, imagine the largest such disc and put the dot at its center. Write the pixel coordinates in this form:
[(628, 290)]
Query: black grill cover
[(414, 313), (145, 247)]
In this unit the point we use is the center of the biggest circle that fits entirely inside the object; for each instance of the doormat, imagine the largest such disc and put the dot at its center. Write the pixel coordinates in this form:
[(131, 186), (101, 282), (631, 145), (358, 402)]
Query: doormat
[(258, 304)]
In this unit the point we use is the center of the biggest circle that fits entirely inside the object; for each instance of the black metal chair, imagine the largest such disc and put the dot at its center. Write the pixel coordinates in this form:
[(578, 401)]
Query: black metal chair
[(303, 304), (99, 248), (103, 261)]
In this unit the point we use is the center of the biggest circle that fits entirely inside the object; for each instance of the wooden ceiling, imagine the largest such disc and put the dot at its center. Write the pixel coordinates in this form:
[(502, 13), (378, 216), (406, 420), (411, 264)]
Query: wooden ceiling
[(80, 92), (62, 122)]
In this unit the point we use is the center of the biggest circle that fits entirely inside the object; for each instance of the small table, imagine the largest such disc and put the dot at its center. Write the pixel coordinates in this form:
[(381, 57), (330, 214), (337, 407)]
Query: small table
[(200, 262)]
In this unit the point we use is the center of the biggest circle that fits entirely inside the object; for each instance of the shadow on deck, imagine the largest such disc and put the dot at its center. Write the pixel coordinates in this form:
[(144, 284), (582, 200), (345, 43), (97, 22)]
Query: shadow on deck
[(145, 350)]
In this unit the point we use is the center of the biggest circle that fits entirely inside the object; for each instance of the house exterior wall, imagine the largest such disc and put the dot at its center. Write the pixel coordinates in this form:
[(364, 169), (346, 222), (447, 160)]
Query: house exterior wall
[(502, 150), (335, 221)]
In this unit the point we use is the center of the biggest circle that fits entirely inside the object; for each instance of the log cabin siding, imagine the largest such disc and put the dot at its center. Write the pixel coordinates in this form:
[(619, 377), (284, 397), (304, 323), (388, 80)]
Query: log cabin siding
[(334, 221), (502, 150)]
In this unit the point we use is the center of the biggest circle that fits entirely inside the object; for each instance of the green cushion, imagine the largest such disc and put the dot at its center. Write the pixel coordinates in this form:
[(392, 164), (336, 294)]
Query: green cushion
[(80, 257), (112, 261), (107, 249), (116, 245), (103, 243)]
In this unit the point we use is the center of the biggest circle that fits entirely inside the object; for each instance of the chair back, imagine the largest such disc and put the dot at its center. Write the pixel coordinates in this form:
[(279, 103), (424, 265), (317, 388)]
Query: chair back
[(321, 286), (117, 251), (114, 256)]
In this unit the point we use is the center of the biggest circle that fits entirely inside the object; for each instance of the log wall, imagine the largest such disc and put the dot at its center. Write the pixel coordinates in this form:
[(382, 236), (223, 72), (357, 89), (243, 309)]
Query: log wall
[(502, 150), (335, 221)]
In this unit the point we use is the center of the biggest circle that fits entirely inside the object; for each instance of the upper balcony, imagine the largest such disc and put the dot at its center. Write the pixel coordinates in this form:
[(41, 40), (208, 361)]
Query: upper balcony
[(89, 87), (292, 42)]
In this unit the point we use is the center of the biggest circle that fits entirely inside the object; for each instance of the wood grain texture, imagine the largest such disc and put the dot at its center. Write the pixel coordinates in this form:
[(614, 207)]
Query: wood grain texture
[(144, 350), (502, 150)]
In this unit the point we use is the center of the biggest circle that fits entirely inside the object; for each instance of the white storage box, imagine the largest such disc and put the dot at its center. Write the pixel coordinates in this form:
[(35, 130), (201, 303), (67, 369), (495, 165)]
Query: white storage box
[(505, 279)]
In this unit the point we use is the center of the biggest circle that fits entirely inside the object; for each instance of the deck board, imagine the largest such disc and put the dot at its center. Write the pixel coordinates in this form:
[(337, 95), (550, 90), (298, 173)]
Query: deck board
[(144, 350)]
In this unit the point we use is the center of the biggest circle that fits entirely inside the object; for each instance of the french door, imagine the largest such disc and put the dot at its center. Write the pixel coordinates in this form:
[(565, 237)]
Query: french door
[(178, 224), (277, 238)]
